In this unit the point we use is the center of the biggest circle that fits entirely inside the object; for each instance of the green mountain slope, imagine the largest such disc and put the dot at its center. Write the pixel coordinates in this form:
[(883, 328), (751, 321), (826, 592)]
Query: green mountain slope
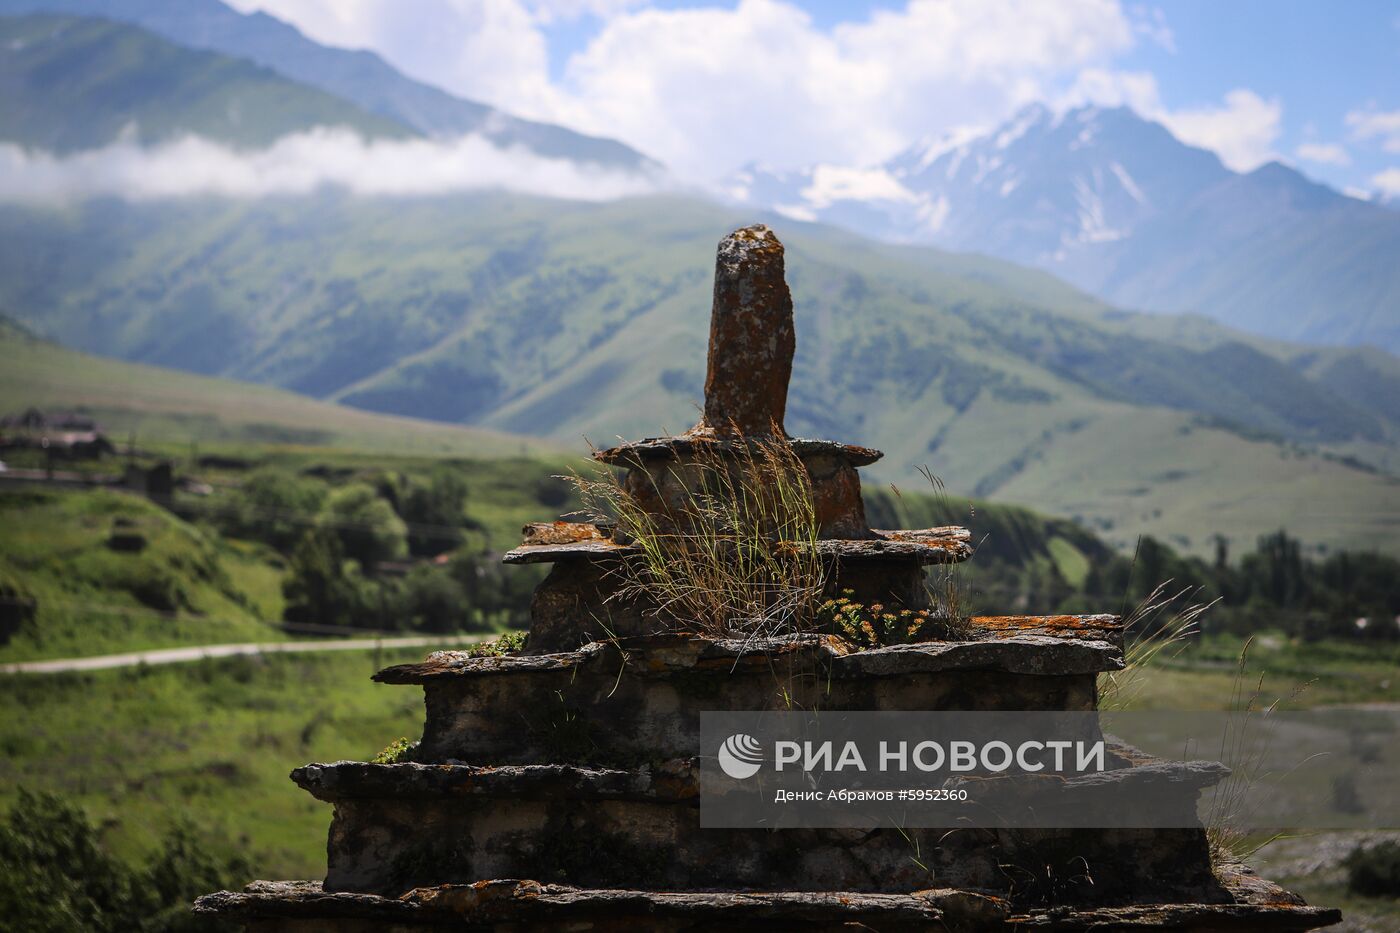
[(1366, 378), (559, 319), (1270, 252), (163, 405), (69, 83)]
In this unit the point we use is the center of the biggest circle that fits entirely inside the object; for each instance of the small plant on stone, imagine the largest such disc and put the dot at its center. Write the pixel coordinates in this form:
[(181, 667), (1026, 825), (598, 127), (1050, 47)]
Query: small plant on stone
[(511, 642), (396, 751), (873, 626), (508, 643)]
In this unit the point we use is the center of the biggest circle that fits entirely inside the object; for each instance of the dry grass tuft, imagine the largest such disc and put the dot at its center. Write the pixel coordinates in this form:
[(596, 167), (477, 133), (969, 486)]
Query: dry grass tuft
[(944, 587), (1156, 630), (1244, 747), (733, 550)]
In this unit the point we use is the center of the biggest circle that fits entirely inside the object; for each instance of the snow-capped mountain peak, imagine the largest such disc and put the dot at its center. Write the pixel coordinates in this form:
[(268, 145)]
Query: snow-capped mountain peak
[(1116, 204), (1029, 189)]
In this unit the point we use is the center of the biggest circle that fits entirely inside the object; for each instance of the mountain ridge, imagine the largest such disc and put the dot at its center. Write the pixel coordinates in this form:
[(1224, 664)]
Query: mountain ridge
[(567, 320), (359, 76), (1116, 205), (70, 83), (168, 406)]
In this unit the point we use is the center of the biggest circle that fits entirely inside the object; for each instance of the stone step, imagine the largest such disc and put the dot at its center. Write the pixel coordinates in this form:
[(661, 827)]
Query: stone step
[(661, 472), (640, 699), (397, 827), (548, 542), (684, 446), (529, 905), (582, 599), (522, 906)]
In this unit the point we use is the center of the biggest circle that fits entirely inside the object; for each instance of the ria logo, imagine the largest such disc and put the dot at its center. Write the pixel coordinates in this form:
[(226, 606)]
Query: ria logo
[(740, 756)]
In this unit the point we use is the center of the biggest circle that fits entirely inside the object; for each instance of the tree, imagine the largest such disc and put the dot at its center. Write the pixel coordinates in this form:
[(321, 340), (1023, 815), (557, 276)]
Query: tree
[(321, 589), (275, 507), (499, 593), (368, 529), (1276, 570), (56, 877), (435, 602), (435, 512)]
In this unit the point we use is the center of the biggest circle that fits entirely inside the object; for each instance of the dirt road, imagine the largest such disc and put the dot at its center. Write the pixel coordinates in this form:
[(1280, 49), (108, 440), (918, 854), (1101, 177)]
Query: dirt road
[(180, 655)]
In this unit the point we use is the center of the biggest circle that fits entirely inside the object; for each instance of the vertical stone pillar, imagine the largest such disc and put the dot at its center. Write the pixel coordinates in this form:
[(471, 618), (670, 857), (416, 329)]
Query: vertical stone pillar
[(751, 336)]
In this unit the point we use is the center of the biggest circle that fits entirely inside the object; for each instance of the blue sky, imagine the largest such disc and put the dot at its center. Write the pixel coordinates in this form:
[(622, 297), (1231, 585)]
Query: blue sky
[(1320, 61), (708, 86)]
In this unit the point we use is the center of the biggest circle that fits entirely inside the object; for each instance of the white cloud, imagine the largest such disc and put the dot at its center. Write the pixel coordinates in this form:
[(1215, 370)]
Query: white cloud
[(799, 212), (299, 164), (1387, 182), (1376, 124), (1151, 23), (487, 50), (1106, 87), (831, 183), (1242, 132), (1323, 153), (706, 89), (550, 11)]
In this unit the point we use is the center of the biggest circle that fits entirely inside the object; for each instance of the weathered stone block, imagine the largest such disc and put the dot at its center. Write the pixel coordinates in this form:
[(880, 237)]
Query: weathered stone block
[(397, 827), (641, 701)]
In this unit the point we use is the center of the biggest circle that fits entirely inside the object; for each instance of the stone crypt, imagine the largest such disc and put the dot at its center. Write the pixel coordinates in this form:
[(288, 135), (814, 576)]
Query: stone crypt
[(556, 788)]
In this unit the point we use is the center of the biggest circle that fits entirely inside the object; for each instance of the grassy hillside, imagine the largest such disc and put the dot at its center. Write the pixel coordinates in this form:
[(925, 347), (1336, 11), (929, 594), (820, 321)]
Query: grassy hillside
[(99, 571), (213, 576), (559, 320), (1014, 546), (1367, 378), (173, 584), (165, 406), (209, 742), (70, 83)]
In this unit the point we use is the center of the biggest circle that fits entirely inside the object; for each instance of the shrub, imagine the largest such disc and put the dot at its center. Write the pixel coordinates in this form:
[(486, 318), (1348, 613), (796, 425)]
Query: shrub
[(18, 606), (156, 587), (324, 589), (1374, 871), (434, 601), (56, 877), (496, 593), (508, 643)]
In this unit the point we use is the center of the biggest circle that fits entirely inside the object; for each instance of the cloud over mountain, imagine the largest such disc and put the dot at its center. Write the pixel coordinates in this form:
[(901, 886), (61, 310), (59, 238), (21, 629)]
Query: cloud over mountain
[(301, 163), (705, 89)]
